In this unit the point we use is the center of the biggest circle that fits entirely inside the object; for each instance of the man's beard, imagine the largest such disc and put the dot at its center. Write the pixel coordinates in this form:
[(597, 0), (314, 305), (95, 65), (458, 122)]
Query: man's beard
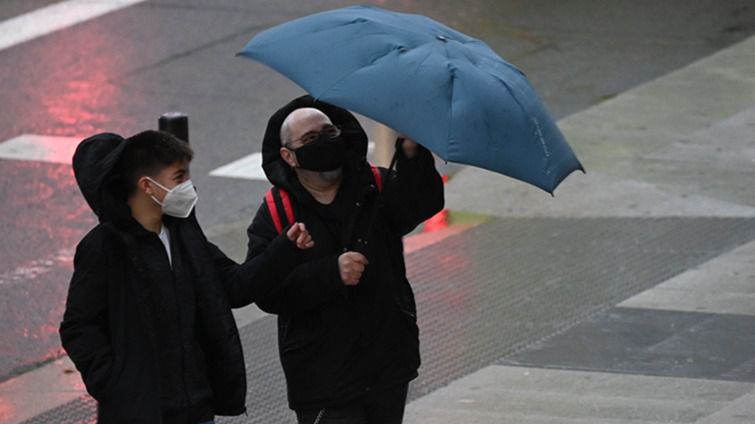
[(331, 177)]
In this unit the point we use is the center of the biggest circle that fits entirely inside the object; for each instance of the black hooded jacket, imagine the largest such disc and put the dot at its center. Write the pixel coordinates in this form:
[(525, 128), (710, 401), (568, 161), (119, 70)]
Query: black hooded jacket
[(337, 343), (131, 326)]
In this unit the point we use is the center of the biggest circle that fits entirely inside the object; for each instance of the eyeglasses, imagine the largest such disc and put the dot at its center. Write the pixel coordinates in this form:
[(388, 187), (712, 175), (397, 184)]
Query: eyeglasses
[(329, 131)]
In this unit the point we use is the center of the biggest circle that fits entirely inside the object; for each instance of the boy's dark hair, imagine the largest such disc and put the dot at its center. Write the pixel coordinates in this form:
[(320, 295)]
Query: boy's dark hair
[(148, 153)]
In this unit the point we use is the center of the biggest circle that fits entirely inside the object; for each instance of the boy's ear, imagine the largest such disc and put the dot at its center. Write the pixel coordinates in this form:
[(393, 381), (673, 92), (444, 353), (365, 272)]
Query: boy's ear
[(143, 185)]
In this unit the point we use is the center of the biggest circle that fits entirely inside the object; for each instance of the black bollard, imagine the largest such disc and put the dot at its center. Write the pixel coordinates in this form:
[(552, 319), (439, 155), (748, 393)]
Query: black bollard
[(176, 123)]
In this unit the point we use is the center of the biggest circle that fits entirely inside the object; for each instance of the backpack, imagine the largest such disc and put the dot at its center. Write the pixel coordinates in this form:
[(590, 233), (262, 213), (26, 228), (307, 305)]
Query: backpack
[(284, 199)]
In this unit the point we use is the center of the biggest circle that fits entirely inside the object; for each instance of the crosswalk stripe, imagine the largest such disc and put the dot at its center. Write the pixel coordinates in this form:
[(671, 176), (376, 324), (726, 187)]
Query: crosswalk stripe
[(53, 149), (41, 148), (55, 17), (249, 168)]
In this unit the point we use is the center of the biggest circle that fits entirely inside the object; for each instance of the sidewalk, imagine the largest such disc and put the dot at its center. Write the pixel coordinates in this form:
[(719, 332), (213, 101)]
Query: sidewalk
[(522, 317), (679, 149)]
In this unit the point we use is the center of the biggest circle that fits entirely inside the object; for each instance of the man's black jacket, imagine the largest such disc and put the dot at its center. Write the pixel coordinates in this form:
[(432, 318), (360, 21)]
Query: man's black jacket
[(108, 328), (335, 342)]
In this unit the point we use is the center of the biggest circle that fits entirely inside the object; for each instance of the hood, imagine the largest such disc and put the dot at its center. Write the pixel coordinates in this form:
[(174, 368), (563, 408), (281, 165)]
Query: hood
[(277, 171), (93, 164)]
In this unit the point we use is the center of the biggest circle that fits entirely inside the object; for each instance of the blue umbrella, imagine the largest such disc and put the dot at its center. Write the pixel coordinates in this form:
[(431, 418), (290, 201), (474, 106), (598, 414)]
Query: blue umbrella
[(448, 91)]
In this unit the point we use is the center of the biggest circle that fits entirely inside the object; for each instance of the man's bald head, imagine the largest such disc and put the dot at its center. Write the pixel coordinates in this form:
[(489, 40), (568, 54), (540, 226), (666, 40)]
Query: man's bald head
[(300, 122)]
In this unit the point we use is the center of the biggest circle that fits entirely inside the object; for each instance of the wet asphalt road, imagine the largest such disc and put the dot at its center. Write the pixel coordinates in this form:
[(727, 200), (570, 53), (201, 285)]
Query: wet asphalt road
[(119, 72)]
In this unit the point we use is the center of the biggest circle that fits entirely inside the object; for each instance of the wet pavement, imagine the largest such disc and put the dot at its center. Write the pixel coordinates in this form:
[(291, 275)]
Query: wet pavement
[(49, 217), (679, 147), (13, 8), (521, 280), (120, 71), (652, 342)]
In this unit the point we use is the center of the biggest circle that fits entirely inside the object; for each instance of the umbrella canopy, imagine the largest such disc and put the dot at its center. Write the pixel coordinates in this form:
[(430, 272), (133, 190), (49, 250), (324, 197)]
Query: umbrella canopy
[(448, 91)]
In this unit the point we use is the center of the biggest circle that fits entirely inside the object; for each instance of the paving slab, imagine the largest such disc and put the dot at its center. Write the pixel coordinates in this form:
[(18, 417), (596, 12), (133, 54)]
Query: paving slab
[(724, 285), (741, 411), (651, 342), (504, 394)]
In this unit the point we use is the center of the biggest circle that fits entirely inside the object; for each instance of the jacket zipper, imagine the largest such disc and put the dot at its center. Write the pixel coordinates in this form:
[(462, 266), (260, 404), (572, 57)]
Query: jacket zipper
[(183, 350), (180, 335)]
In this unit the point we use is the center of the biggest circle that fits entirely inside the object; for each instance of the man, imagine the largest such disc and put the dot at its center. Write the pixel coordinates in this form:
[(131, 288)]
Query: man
[(347, 331), (147, 320)]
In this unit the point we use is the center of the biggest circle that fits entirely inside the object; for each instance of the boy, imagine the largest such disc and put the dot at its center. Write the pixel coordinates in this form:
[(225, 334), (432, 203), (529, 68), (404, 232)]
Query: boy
[(148, 320)]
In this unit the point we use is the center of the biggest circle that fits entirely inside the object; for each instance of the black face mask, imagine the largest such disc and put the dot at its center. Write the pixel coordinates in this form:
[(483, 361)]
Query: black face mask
[(325, 154)]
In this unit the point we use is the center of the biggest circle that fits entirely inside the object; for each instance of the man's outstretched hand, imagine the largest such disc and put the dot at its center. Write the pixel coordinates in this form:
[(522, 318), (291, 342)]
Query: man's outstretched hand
[(408, 146), (299, 234)]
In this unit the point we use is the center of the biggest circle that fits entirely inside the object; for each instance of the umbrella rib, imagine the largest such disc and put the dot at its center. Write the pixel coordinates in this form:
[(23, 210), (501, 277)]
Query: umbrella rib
[(451, 108), (538, 132), (371, 63), (408, 24)]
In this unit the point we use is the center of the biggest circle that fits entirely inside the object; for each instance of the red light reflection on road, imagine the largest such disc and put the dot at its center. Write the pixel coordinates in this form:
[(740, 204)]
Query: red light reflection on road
[(44, 217), (84, 105), (6, 411), (66, 88), (71, 79), (457, 295), (39, 390), (84, 102), (453, 259), (50, 199)]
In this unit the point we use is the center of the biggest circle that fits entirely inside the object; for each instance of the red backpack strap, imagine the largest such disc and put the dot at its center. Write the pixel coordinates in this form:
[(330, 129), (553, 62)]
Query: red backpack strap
[(272, 206), (286, 200), (378, 177)]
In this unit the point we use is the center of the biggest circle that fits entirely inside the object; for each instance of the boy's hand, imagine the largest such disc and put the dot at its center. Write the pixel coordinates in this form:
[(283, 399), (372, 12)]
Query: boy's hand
[(299, 234)]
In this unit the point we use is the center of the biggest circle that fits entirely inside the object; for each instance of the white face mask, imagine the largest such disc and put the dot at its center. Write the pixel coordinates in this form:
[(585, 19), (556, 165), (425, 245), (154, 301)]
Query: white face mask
[(179, 201)]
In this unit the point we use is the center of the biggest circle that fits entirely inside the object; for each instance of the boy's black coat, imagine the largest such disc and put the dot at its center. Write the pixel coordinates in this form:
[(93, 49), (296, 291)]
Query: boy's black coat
[(108, 328)]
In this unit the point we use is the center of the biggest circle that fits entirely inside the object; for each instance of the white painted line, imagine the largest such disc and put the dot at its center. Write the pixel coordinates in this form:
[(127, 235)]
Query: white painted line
[(55, 17), (34, 268), (42, 148), (248, 167)]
